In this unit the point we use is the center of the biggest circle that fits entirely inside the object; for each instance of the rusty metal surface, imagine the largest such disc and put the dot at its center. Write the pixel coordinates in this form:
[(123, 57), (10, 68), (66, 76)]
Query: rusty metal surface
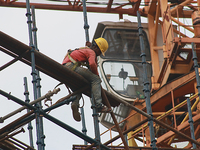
[(49, 66), (109, 6)]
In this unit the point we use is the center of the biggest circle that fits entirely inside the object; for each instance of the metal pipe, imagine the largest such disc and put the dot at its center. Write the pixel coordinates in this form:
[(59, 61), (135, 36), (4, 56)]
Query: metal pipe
[(12, 61), (17, 144), (28, 147), (13, 134), (146, 84), (67, 101), (17, 123), (72, 130), (157, 121), (84, 129), (96, 122), (30, 127), (55, 91), (39, 127), (72, 94), (191, 122), (86, 27), (9, 96), (126, 131), (38, 79), (114, 119), (196, 66), (14, 55)]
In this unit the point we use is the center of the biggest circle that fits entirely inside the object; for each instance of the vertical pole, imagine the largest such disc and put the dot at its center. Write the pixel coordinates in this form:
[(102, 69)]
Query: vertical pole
[(96, 122), (146, 84), (30, 127), (38, 79), (196, 66), (39, 142), (84, 130), (86, 27), (191, 122)]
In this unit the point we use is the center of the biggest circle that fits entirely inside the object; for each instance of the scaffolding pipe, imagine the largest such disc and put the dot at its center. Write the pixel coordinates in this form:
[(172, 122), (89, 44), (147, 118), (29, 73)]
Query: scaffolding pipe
[(13, 134), (49, 94), (28, 147), (9, 96), (17, 123), (30, 127), (72, 130), (16, 144), (86, 27), (28, 117), (38, 79), (12, 61), (96, 122), (191, 122), (66, 101), (146, 84), (196, 66), (84, 129), (39, 125)]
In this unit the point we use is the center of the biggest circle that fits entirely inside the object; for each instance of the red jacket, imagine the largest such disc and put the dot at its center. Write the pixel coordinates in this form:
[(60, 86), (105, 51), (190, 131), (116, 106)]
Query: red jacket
[(84, 55)]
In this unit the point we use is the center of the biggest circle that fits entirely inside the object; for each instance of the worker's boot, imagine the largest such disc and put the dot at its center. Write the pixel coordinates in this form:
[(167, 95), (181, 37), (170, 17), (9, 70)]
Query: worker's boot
[(75, 112)]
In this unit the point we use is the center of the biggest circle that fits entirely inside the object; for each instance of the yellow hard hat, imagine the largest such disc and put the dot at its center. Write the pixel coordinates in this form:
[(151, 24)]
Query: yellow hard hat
[(102, 44)]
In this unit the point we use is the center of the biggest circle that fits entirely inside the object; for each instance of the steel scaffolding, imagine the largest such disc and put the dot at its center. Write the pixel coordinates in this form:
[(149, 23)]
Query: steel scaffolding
[(170, 83)]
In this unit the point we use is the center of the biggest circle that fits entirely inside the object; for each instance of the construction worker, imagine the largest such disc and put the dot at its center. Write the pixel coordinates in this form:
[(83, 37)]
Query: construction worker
[(74, 61)]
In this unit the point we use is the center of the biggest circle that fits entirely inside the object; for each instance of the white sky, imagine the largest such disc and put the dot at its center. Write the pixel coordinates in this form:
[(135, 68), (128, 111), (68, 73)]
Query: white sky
[(57, 32)]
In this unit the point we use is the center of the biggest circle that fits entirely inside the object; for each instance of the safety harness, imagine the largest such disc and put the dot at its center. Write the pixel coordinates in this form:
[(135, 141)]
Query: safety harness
[(77, 63)]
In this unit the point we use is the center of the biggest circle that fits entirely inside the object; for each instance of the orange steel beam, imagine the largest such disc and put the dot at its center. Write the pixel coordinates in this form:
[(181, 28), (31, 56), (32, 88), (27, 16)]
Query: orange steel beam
[(161, 123), (164, 114), (176, 85), (108, 9), (181, 5), (152, 8), (109, 5), (186, 40), (179, 128), (152, 38), (135, 5)]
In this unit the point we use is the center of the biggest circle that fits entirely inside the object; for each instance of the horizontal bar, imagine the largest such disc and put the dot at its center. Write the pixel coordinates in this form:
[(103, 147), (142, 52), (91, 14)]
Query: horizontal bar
[(15, 99), (72, 130), (67, 101), (49, 94)]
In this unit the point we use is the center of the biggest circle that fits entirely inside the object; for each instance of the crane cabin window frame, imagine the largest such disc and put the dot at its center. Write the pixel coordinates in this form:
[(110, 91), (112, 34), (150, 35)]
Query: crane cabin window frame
[(124, 50)]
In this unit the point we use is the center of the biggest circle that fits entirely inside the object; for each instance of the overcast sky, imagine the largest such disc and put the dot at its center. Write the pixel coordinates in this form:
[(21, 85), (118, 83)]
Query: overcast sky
[(57, 32)]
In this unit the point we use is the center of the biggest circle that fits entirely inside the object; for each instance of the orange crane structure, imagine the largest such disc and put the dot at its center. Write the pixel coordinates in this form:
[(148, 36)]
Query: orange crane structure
[(174, 80)]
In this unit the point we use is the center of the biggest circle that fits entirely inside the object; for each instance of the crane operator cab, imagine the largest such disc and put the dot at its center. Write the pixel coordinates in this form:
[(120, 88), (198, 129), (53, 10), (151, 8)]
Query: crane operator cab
[(121, 68)]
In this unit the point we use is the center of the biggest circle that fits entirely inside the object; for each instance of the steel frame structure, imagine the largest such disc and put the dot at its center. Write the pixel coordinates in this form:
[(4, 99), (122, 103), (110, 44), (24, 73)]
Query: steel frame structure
[(171, 83)]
